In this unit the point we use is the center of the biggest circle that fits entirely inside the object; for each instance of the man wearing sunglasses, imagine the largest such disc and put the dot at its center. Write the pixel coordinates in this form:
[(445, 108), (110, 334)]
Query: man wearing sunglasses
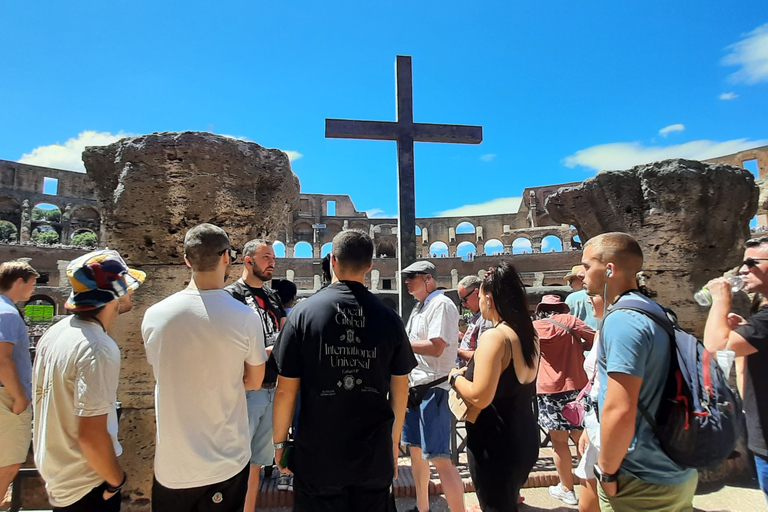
[(206, 349), (469, 289), (749, 339)]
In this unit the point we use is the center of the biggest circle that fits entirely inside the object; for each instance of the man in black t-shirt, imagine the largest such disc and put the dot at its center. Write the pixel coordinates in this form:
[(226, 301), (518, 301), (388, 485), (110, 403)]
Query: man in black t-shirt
[(725, 330), (348, 356), (258, 266)]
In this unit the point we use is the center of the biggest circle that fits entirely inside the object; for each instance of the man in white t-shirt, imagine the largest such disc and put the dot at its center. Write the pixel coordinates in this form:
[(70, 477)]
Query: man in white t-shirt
[(77, 367), (433, 330), (206, 349)]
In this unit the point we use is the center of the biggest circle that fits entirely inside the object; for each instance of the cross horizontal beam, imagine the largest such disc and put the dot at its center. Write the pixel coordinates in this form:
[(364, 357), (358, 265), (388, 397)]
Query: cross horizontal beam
[(389, 130)]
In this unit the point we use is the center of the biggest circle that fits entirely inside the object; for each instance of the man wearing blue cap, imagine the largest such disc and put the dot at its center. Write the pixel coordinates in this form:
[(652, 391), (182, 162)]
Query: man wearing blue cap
[(75, 388)]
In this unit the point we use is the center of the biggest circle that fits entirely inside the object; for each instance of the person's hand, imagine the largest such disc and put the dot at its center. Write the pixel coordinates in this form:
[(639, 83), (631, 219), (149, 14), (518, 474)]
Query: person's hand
[(720, 289), (279, 459), (20, 405), (460, 371), (610, 488), (396, 452), (735, 320), (583, 443)]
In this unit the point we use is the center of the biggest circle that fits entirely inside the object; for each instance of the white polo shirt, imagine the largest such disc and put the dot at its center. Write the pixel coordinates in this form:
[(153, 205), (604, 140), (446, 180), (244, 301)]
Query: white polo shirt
[(437, 317)]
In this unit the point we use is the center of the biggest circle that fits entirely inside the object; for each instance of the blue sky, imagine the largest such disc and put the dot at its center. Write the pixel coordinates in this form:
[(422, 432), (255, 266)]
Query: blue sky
[(561, 89)]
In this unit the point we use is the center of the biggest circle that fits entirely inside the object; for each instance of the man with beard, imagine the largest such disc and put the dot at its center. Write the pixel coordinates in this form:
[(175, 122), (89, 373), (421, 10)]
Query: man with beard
[(75, 381), (251, 290)]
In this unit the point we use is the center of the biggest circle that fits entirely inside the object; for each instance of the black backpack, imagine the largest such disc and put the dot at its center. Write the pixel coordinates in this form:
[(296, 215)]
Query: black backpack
[(699, 415)]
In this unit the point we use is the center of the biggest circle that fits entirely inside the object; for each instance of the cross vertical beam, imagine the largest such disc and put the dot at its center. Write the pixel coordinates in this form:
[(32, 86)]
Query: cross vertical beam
[(405, 132)]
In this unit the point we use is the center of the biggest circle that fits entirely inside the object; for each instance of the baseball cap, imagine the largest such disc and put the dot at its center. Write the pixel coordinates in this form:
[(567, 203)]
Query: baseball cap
[(98, 278), (420, 267)]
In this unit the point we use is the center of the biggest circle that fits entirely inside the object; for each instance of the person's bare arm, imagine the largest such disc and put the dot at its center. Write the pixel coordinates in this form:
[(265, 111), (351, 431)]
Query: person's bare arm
[(9, 376), (465, 354), (282, 413), (430, 347), (586, 333), (617, 422), (398, 399), (98, 450), (253, 376), (718, 334), (489, 356)]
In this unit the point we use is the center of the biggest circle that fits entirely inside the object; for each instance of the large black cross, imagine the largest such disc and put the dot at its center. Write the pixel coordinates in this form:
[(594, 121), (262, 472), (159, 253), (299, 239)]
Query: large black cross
[(405, 132)]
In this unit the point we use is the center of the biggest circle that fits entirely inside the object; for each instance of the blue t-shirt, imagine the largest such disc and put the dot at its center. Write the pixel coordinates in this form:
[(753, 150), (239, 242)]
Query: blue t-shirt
[(14, 330), (633, 344), (581, 308)]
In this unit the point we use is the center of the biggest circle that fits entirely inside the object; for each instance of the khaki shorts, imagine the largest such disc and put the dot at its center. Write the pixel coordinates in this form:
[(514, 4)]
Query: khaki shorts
[(637, 496), (17, 432)]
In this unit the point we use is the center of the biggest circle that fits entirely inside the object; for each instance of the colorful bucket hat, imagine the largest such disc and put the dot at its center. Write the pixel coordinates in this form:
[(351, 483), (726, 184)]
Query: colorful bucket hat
[(98, 278)]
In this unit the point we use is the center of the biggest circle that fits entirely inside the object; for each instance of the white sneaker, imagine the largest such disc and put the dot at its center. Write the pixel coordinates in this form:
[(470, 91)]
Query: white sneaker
[(569, 497)]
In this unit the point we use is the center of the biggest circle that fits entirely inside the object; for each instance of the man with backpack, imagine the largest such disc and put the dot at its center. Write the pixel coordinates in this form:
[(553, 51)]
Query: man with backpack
[(749, 339), (633, 364)]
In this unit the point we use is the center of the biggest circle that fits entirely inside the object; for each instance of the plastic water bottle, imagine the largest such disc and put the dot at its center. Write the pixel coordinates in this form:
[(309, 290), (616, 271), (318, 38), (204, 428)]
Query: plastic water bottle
[(704, 298)]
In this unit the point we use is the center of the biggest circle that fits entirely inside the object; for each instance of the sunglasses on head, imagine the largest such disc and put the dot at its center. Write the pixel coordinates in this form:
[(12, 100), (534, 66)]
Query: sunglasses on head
[(752, 262), (232, 254), (463, 300)]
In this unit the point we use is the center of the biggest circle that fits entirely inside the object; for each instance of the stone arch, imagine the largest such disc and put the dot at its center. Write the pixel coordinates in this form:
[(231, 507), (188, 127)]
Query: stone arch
[(39, 300), (386, 249), (10, 211), (84, 230), (522, 245), (279, 248), (40, 213), (302, 232), (465, 227), (551, 243), (493, 247), (438, 249), (302, 250), (418, 231), (465, 249), (325, 249)]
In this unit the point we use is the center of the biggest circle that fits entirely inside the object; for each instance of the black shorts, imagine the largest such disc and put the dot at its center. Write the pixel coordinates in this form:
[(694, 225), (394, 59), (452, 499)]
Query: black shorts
[(356, 498), (94, 502), (226, 496)]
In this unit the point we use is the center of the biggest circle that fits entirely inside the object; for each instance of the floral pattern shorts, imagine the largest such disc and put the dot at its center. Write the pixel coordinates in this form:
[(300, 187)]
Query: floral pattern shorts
[(551, 410)]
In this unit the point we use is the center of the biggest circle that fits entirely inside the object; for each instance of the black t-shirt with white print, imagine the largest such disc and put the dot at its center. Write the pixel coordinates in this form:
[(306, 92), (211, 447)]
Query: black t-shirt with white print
[(266, 302), (345, 345)]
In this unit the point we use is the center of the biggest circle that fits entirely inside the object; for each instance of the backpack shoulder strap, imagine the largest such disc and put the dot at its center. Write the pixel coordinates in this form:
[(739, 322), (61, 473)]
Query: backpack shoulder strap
[(563, 326)]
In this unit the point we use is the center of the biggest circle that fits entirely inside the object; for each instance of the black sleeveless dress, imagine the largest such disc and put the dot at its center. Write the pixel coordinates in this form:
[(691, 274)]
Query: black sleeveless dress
[(503, 443)]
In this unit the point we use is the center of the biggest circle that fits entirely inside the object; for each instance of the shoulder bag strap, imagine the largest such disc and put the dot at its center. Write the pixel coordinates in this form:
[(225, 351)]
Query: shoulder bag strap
[(563, 326)]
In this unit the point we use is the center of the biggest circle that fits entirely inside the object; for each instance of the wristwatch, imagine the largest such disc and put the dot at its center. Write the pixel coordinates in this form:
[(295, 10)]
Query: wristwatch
[(279, 446), (452, 379), (604, 477)]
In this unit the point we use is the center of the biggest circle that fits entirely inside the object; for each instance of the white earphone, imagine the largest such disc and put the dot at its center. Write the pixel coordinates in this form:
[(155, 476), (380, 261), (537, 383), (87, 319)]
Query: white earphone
[(609, 272)]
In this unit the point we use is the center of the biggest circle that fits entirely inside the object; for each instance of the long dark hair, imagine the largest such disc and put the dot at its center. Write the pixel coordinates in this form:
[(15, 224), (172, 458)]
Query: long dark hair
[(511, 302)]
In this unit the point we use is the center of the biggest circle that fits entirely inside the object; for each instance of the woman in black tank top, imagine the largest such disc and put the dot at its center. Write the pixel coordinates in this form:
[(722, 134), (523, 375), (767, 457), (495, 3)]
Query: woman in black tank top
[(499, 385)]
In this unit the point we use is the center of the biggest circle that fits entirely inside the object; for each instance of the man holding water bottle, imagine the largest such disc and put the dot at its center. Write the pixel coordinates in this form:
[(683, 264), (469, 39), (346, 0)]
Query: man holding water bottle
[(727, 331)]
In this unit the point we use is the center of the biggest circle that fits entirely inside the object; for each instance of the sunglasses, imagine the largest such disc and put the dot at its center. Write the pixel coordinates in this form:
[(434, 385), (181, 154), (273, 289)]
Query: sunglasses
[(232, 254), (463, 300), (411, 275), (752, 262)]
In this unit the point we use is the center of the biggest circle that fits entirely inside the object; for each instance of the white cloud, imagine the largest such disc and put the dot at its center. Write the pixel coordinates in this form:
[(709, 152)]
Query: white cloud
[(751, 56), (494, 206), (623, 155), (378, 213), (488, 157), (69, 155), (728, 96), (671, 129), (293, 155)]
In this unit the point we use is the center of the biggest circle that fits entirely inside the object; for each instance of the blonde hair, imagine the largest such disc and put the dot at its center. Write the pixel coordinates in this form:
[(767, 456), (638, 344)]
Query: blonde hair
[(618, 248)]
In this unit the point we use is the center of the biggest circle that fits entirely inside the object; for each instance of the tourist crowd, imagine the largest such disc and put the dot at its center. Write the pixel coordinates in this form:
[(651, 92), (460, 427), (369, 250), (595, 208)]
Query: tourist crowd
[(246, 377)]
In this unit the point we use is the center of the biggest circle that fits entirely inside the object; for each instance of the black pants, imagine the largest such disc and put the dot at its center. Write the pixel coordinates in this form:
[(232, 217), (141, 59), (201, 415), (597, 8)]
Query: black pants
[(358, 498), (94, 502), (226, 496)]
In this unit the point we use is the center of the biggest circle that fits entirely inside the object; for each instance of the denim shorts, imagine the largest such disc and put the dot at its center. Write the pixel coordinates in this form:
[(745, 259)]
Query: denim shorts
[(429, 426), (260, 425)]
